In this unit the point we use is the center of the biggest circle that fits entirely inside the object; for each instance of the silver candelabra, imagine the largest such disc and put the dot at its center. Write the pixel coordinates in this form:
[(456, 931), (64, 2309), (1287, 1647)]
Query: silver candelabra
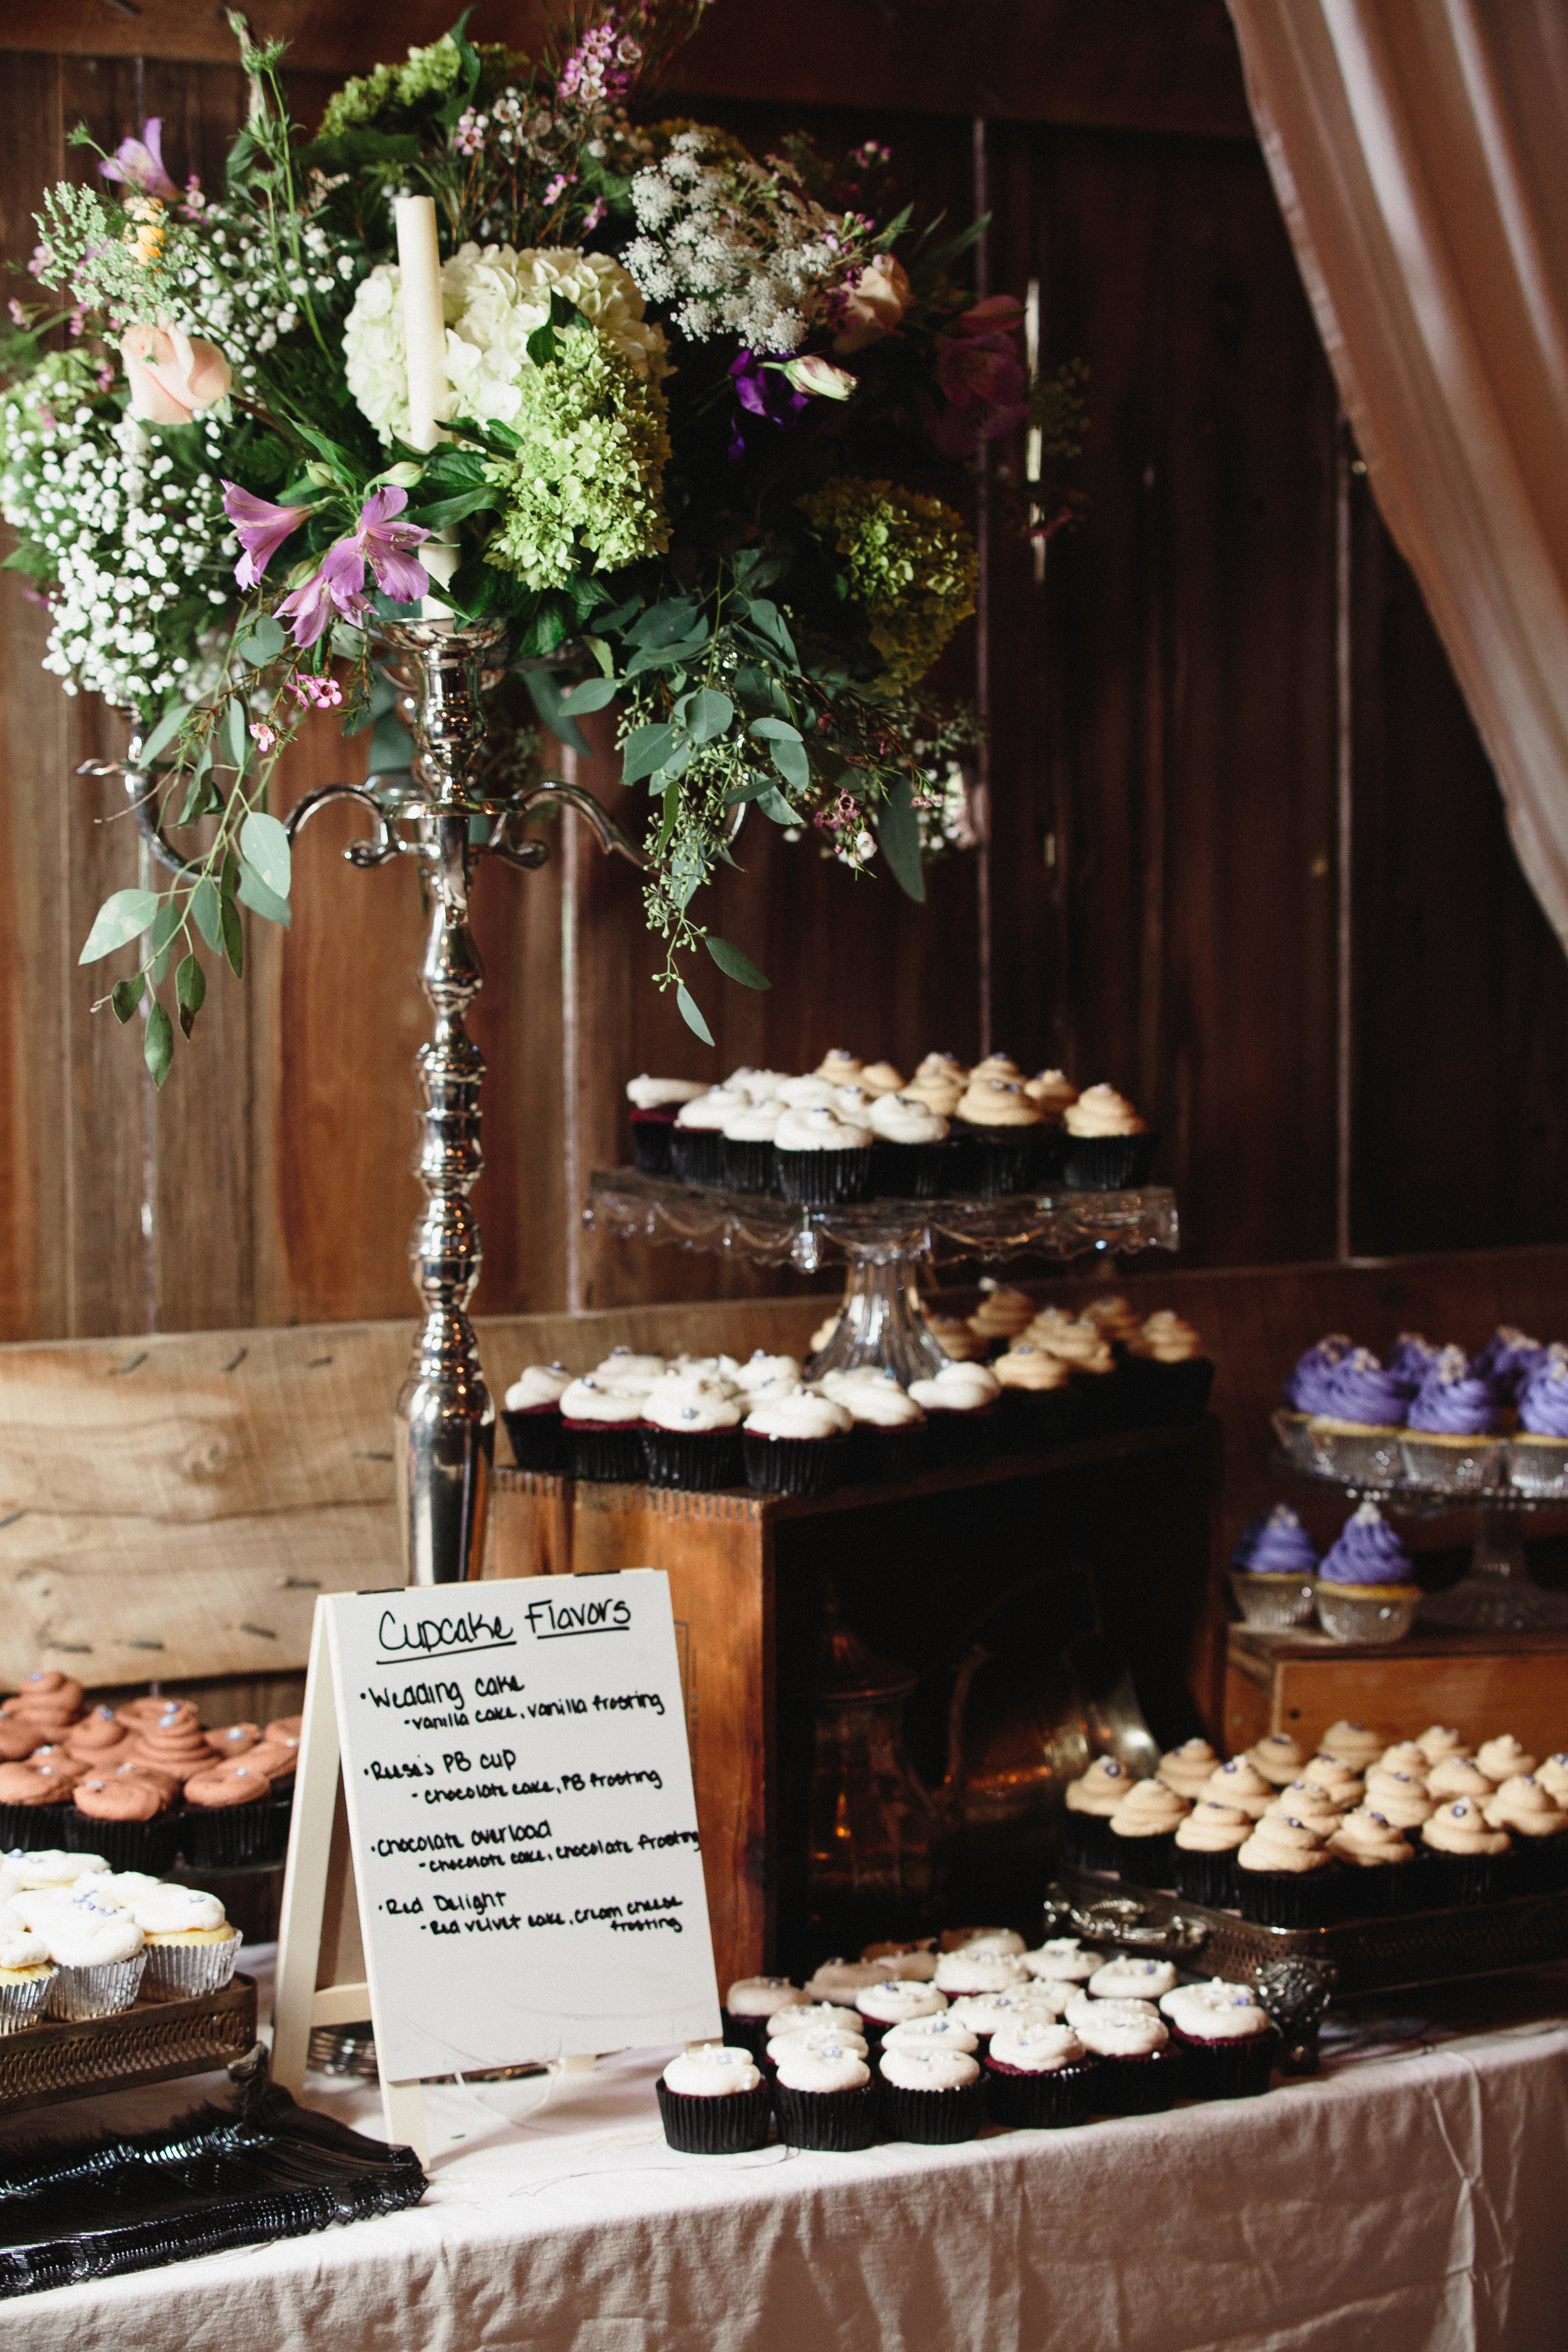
[(439, 812)]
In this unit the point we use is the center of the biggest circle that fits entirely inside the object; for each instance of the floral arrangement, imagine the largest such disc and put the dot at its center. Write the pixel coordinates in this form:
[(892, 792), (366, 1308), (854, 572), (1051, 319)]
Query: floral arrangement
[(697, 425)]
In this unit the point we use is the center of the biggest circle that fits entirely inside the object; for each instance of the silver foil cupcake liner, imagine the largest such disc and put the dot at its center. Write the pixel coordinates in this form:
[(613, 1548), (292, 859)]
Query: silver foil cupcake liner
[(103, 1991), (22, 2002), (185, 1971)]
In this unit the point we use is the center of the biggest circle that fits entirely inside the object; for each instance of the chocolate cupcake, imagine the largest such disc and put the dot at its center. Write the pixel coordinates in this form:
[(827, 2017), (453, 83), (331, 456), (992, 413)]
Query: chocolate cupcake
[(531, 1411), (1238, 1782), (32, 1801), (1106, 1147), (1137, 2073), (1096, 1375), (1004, 1132), (751, 2005), (1203, 1852), (232, 1817), (1142, 1829), (1463, 1856), (822, 1159), (1126, 1978), (1090, 1801), (174, 1742), (1038, 2077), (1060, 1959), (1188, 1768), (963, 1416), (893, 1999), (888, 1428), (691, 1432), (1004, 1314), (1285, 1877), (712, 2101), (99, 1740), (1039, 1407), (911, 1149), (654, 1105), (601, 1420), (1378, 1865), (1166, 1375), (232, 1739), (47, 1703), (813, 2022), (796, 1442), (930, 2095), (746, 1146), (697, 1139), (1502, 1759), (1227, 2043), (126, 1818), (824, 2094), (1526, 1808)]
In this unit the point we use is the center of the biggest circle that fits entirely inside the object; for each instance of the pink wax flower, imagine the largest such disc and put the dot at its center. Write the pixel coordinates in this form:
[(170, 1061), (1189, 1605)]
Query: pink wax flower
[(264, 736), (138, 163), (262, 528), (316, 693), (379, 540)]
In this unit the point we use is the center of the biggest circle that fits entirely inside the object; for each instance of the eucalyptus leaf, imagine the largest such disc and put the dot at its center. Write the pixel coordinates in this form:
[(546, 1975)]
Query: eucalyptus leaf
[(263, 643), (734, 965), (236, 742), (664, 624), (166, 924), (233, 938), (255, 893), (772, 804), (263, 846), (126, 995), (164, 732), (898, 833), (122, 919), (190, 990), (158, 1044), (206, 912), (647, 750), (691, 1013), (549, 701), (594, 694), (710, 715)]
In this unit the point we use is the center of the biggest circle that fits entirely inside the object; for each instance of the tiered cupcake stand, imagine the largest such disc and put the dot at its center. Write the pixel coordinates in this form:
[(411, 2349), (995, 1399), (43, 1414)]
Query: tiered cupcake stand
[(885, 1245)]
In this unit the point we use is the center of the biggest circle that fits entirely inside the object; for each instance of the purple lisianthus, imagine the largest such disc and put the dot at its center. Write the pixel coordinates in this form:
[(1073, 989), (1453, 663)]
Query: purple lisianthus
[(1368, 1552), (138, 163), (1308, 1386), (1276, 1544), (763, 392), (1361, 1392), (262, 529), (1544, 1405), (338, 586)]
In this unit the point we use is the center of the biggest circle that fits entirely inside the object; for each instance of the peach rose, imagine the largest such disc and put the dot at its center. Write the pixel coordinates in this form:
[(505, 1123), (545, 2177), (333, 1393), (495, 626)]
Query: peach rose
[(874, 304), (174, 377)]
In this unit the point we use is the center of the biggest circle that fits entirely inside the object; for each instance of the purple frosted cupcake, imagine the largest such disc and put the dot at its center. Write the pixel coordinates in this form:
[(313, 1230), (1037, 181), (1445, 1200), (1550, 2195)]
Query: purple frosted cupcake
[(1510, 1361), (1538, 1454), (1306, 1393), (654, 1105), (1365, 1590), (1356, 1434), (1272, 1570), (531, 1411), (1410, 1360), (712, 2101), (1452, 1431)]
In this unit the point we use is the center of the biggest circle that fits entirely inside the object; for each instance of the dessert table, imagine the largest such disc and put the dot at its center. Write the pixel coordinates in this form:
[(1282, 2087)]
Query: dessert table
[(1409, 2196)]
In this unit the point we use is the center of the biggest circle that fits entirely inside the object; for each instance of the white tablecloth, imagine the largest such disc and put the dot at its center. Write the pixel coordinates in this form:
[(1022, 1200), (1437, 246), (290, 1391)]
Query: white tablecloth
[(1410, 2200)]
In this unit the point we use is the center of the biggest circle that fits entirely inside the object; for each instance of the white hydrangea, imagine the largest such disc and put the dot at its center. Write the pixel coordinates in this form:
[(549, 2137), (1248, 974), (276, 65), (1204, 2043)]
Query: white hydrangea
[(493, 299)]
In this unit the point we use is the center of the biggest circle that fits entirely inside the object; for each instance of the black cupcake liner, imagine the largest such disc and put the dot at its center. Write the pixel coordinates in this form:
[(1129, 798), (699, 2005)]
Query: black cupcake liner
[(745, 2033), (1098, 1403), (727, 2126), (911, 1171), (822, 1180), (1053, 2101), (1144, 2085), (886, 1457), (33, 1827), (1207, 1878), (1540, 1864), (959, 1441), (1145, 1861), (1013, 1161), (1227, 2070), (1378, 1890), (1087, 1840), (696, 1155), (839, 2121), (695, 1460), (1288, 1898), (651, 1131), (611, 1453), (234, 1837), (538, 1437), (1035, 1420), (933, 2118), (1107, 1163), (794, 1465), (1159, 1396), (124, 1845), (1456, 1881), (748, 1167)]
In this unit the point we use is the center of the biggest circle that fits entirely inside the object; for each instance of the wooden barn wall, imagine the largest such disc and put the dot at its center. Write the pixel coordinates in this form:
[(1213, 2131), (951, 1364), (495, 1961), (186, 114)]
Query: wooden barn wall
[(1247, 858)]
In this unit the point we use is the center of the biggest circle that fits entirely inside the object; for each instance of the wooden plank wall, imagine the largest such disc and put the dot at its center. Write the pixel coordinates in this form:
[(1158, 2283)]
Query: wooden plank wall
[(1171, 865)]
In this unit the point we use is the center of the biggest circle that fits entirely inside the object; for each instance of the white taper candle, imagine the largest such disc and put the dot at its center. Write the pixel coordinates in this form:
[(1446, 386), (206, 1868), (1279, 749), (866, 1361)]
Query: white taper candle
[(424, 344)]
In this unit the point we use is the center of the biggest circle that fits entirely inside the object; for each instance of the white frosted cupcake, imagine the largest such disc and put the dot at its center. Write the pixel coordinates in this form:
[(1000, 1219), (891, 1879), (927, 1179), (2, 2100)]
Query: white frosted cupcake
[(99, 1955), (655, 1106), (962, 1413), (691, 1432), (191, 1946), (751, 2005), (911, 1153), (27, 1972), (1061, 1959), (601, 1419), (822, 1158), (824, 2094), (748, 1146), (796, 1441), (931, 2095), (531, 1411), (697, 1139), (1038, 2077), (712, 2101)]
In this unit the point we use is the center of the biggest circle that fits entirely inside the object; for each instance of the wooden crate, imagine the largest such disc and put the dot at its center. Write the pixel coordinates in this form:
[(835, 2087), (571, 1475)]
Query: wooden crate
[(1480, 1683), (1115, 1532)]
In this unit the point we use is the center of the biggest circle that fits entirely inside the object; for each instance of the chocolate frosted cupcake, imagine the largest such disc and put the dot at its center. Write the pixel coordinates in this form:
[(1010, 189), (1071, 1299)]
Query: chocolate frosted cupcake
[(1167, 1376), (712, 2101), (128, 1819), (822, 1160), (1138, 2073), (1203, 1852), (1004, 1133), (174, 1742), (930, 2095), (888, 1428), (823, 2096), (32, 1801), (1453, 1428), (531, 1411), (601, 1420), (1463, 1857), (232, 1817), (1142, 1829), (1090, 1801), (962, 1413), (697, 1139), (1527, 1809), (655, 1104), (99, 1740), (1038, 2077), (911, 1151), (692, 1433), (1106, 1147), (1378, 1875), (47, 1703), (1285, 1877), (1227, 2043), (796, 1442), (1039, 1407), (751, 2005)]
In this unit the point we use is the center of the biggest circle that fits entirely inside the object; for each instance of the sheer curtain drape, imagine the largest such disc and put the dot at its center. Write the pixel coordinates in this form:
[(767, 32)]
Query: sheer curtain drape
[(1419, 151)]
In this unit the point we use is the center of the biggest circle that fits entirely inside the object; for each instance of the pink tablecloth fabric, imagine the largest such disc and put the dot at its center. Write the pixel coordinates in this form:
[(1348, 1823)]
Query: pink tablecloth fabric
[(1411, 2199)]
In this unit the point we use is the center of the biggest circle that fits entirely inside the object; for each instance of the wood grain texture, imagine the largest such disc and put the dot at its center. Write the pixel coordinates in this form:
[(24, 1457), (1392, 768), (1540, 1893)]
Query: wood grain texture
[(1481, 1683)]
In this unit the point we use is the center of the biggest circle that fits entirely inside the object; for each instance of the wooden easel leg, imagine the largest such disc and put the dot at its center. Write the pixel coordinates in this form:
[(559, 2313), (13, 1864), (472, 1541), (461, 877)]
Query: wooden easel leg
[(403, 2107), (305, 1878)]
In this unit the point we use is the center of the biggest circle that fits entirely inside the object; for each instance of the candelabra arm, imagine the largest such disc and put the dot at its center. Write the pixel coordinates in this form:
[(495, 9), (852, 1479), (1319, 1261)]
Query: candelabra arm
[(375, 850), (594, 814)]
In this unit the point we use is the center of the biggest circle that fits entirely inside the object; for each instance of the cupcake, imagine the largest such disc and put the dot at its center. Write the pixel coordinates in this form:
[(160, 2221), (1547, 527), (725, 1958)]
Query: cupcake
[(697, 1139), (601, 1421), (840, 1982), (962, 1417), (1554, 1775), (893, 1999), (1285, 1876), (1352, 1744), (807, 1093), (126, 1818), (972, 1971), (1138, 2073), (1278, 1758), (816, 2020), (822, 1160), (232, 1817), (1306, 1396), (985, 1943), (1538, 1452), (952, 1335), (1401, 1756), (174, 1742), (1038, 2077), (1510, 1361), (1365, 1590), (1377, 1860), (1537, 1823), (655, 1103), (1060, 1959), (1240, 1783), (1116, 1319), (1090, 1801), (712, 2101), (1166, 1375), (1400, 1797), (757, 1085), (1005, 1313), (1142, 1829), (191, 1948), (1306, 1802), (1106, 1147), (931, 2095), (1227, 2043), (1356, 1434), (763, 1374), (998, 1066), (98, 1739), (1039, 1407), (911, 1149), (1438, 1741), (1053, 1092), (1096, 1382), (796, 1442), (17, 1740), (1131, 1979), (1002, 1132), (22, 1871), (747, 1146), (1203, 1852), (1410, 1360), (232, 1739), (839, 1066), (888, 1428), (1458, 1776), (1463, 1855), (692, 1433), (27, 1973), (938, 1083), (1452, 1429), (1343, 1787), (943, 2031), (1189, 1767), (531, 1411), (32, 1796), (882, 1079), (48, 1702), (823, 2096), (751, 2005), (1503, 1759), (985, 2014), (915, 1960), (99, 1953)]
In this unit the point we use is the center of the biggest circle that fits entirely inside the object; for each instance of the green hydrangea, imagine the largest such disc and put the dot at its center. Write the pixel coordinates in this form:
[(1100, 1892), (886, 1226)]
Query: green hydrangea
[(585, 490), (906, 560), (430, 72)]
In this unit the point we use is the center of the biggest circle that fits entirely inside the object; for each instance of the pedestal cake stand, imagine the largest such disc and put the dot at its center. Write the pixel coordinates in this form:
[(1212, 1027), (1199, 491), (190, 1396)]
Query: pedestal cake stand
[(885, 1245)]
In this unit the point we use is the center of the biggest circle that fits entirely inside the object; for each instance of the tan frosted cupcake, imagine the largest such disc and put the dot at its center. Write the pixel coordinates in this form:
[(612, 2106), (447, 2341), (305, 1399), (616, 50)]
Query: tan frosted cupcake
[(1037, 1405), (1458, 1776), (1002, 1130), (1538, 1825), (1115, 1318), (1004, 1312), (1438, 1742), (1463, 1855), (1400, 1797), (1352, 1744), (881, 1079), (1239, 1782), (952, 1335), (1142, 1829), (1090, 1801), (1286, 1876), (1342, 1786), (1106, 1146), (1189, 1767), (1203, 1852), (1168, 1372), (1053, 1090), (1089, 1356), (1503, 1759), (1378, 1862), (1278, 1758)]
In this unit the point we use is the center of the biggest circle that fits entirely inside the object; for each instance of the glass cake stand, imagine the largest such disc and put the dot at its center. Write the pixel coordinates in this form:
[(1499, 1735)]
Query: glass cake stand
[(884, 1243), (1497, 1593)]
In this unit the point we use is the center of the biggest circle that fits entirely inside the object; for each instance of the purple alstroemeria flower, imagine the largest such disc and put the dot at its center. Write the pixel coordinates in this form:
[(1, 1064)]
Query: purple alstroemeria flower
[(262, 528), (763, 392), (138, 163), (339, 585)]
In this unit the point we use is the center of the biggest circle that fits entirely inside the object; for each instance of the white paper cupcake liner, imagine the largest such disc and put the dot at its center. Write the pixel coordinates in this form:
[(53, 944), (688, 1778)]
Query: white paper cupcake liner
[(22, 2002), (103, 1991), (185, 1971)]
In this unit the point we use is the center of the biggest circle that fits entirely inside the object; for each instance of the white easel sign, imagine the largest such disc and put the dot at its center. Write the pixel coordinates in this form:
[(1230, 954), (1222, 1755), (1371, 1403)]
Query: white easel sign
[(521, 1811)]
